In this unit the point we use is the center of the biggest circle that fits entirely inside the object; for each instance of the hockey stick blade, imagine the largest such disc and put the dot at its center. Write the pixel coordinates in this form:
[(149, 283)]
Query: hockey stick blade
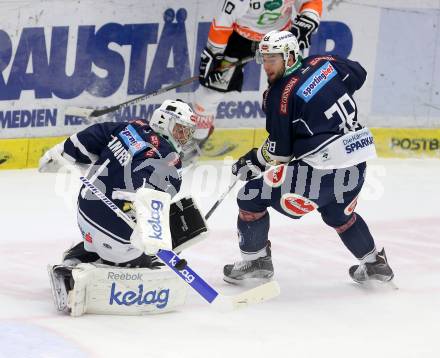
[(253, 296), (79, 112)]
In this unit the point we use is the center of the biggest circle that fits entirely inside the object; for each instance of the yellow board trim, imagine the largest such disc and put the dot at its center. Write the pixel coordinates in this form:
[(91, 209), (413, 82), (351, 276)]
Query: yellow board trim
[(390, 143), (14, 153), (407, 142)]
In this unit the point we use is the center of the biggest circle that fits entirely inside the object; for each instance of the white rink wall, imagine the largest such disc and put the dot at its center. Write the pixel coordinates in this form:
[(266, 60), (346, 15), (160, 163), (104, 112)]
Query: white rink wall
[(55, 54)]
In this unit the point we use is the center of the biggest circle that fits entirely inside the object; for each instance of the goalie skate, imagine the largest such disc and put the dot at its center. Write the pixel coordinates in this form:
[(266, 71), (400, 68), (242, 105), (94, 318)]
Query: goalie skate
[(61, 282)]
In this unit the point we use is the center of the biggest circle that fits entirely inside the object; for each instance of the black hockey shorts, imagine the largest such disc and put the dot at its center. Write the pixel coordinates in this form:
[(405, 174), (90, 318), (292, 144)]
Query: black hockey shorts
[(296, 189)]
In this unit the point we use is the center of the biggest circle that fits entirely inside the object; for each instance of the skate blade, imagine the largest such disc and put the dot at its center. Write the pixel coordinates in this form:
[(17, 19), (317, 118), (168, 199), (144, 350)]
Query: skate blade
[(248, 281), (377, 283), (59, 293)]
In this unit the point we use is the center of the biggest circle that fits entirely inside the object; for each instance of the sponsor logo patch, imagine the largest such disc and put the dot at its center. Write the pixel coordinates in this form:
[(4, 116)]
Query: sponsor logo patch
[(132, 139), (297, 205), (88, 237), (357, 141), (286, 93), (154, 141), (316, 81), (155, 221), (186, 273), (275, 177), (129, 298), (124, 276), (321, 58), (350, 207), (150, 153), (264, 105)]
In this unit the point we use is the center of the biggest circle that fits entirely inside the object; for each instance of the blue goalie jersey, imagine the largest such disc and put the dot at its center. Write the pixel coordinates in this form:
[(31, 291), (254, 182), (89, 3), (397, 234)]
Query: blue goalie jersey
[(123, 157)]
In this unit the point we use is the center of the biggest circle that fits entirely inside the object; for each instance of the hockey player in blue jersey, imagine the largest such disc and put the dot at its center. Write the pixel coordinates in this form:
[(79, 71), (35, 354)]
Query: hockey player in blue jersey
[(313, 159), (121, 158)]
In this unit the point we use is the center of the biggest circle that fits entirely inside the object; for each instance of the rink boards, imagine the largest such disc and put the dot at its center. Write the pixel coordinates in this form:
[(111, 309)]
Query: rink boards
[(99, 57), (390, 143)]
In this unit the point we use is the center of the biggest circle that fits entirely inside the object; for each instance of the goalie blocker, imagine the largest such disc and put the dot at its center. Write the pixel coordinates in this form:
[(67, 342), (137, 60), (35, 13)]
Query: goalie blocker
[(103, 289)]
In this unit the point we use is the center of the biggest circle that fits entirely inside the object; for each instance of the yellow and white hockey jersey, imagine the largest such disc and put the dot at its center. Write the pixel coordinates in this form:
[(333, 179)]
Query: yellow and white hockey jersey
[(254, 18)]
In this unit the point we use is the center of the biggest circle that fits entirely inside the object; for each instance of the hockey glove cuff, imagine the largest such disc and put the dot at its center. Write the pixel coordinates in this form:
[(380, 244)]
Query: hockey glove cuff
[(208, 63), (248, 167), (302, 28)]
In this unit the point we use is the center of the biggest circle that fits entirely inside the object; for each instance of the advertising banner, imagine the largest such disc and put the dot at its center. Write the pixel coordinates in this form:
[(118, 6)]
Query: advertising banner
[(95, 54)]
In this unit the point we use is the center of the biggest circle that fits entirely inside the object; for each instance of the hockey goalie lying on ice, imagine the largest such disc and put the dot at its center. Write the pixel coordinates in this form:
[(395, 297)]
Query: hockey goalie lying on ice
[(114, 269)]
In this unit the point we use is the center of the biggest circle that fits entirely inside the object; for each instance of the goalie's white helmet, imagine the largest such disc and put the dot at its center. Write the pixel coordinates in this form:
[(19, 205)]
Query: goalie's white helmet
[(175, 121), (282, 42)]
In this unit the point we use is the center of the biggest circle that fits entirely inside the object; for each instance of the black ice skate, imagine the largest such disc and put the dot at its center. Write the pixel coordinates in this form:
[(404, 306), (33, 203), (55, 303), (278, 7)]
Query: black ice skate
[(378, 270), (261, 268)]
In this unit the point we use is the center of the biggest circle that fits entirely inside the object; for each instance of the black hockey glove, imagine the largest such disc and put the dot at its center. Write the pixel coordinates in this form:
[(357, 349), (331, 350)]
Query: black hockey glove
[(248, 167), (303, 27), (208, 63)]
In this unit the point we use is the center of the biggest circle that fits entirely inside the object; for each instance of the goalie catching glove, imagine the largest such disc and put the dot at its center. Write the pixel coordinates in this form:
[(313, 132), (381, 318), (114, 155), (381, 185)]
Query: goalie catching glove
[(54, 159), (248, 167), (160, 225)]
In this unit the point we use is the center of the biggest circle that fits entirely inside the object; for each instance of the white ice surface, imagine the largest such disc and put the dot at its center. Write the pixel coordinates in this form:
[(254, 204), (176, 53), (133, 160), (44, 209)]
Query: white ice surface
[(320, 312)]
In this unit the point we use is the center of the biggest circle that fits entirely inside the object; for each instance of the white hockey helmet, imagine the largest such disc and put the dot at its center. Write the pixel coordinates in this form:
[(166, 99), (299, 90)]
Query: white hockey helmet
[(283, 42), (175, 121)]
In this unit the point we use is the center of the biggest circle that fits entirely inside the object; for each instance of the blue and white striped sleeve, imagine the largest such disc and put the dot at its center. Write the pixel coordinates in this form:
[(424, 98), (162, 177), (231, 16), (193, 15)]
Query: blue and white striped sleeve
[(86, 145)]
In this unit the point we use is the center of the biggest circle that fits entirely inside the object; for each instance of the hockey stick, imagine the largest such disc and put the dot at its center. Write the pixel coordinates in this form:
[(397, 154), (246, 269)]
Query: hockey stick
[(256, 295), (219, 201), (89, 112)]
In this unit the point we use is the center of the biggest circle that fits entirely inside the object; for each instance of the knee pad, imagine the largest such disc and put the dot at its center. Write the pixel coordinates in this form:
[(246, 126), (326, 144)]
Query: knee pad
[(336, 221)]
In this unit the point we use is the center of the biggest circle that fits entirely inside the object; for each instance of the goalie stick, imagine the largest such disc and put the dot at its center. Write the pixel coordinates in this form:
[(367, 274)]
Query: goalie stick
[(258, 294), (93, 113)]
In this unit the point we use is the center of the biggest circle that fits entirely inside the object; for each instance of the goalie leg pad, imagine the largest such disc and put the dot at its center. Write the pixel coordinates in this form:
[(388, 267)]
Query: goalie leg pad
[(186, 224), (100, 289)]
